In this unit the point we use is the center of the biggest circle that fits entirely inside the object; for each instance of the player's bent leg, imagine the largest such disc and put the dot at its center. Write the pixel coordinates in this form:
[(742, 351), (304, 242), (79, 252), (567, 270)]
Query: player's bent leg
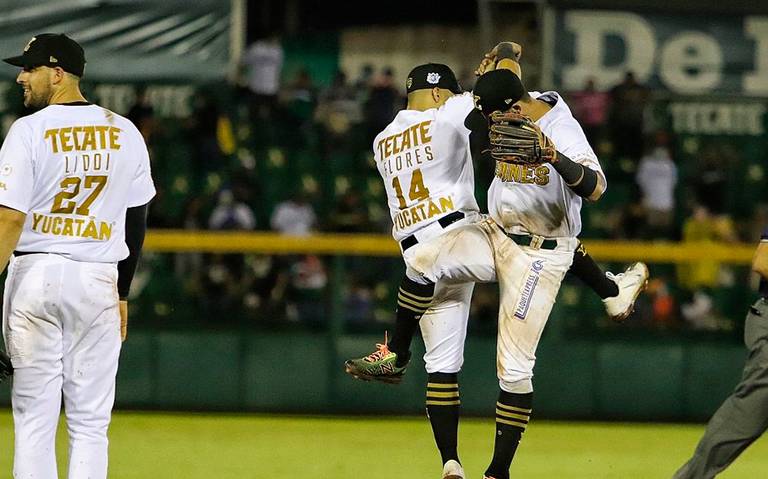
[(92, 348), (388, 363)]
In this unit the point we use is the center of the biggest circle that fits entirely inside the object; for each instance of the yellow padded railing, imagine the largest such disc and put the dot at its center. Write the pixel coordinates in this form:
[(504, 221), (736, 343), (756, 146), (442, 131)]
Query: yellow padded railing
[(179, 241)]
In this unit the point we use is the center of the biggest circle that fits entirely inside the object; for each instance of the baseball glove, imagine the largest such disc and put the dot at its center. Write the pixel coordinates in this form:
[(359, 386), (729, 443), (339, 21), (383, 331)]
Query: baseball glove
[(517, 139), (6, 370)]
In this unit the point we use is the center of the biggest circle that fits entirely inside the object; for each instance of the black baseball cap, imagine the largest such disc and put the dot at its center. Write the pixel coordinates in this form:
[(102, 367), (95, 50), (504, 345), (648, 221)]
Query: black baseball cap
[(497, 90), (51, 50), (431, 75)]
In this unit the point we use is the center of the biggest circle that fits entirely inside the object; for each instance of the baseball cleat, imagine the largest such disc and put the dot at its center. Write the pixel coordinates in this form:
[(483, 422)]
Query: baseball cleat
[(453, 470), (380, 365), (631, 283)]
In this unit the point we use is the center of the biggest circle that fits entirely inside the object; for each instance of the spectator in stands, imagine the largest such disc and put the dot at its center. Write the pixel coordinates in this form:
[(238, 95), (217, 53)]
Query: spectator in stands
[(699, 278), (628, 102), (590, 107), (363, 83), (223, 284), (300, 99), (633, 215), (294, 216), (337, 111), (231, 214), (306, 294), (142, 114), (202, 125), (384, 100), (713, 169), (657, 177), (263, 64), (349, 215)]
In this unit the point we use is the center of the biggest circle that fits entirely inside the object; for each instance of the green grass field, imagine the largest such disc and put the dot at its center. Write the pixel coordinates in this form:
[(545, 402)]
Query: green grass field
[(192, 446)]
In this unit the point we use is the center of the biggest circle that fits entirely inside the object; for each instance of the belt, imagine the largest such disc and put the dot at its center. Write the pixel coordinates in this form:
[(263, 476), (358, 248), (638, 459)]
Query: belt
[(534, 241), (24, 253), (446, 220)]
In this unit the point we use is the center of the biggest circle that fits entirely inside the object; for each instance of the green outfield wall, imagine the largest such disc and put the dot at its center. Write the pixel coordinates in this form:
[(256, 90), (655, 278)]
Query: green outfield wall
[(303, 373)]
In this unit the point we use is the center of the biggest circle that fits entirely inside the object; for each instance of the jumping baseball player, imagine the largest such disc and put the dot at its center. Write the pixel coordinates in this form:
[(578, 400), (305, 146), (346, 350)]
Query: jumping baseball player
[(424, 159), (74, 187), (389, 361), (544, 167)]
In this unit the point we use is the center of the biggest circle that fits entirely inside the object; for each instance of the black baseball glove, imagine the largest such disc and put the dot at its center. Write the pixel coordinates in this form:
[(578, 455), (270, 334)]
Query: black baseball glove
[(6, 369), (517, 139)]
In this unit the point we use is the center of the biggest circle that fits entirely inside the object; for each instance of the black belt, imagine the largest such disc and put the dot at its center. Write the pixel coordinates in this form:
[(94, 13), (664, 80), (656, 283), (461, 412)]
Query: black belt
[(529, 240), (24, 253), (446, 220)]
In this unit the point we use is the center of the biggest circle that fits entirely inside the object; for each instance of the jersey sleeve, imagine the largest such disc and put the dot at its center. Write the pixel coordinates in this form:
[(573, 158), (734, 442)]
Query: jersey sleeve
[(571, 141), (459, 107), (17, 172), (142, 187)]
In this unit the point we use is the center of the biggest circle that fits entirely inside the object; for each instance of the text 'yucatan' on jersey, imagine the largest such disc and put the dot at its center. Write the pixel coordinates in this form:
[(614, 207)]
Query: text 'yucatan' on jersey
[(406, 149), (85, 157)]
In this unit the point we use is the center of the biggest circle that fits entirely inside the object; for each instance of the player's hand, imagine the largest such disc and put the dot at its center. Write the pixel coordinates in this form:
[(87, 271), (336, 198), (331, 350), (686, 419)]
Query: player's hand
[(509, 50), (123, 319), (488, 63)]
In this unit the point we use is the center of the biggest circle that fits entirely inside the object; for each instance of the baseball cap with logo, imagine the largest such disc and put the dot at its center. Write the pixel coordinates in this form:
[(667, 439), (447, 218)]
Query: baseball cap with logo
[(497, 90), (432, 75), (51, 50)]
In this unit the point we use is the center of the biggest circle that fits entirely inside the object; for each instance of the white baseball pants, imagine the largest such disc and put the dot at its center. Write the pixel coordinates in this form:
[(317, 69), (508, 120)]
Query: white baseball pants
[(61, 326), (477, 252), (529, 280)]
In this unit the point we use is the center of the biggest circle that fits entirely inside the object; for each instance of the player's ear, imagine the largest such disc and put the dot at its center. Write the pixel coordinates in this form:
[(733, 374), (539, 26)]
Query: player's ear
[(57, 75), (436, 94), (517, 108)]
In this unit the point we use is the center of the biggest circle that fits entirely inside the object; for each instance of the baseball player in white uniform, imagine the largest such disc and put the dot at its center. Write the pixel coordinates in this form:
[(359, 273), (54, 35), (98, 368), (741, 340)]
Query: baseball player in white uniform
[(424, 159), (538, 207), (74, 187)]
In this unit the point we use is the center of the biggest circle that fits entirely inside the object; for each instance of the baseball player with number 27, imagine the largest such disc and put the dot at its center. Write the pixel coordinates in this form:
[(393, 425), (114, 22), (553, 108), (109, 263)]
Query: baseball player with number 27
[(75, 183)]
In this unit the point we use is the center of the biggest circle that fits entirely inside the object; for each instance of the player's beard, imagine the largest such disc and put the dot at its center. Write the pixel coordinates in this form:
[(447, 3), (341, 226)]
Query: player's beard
[(37, 97)]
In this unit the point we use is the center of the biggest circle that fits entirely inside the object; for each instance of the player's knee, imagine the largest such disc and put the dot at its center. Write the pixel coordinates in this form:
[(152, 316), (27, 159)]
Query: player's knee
[(437, 363), (516, 386)]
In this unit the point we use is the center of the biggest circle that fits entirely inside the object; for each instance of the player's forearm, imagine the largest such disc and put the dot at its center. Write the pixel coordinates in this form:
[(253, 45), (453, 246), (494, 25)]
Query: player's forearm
[(510, 64), (135, 230), (11, 224), (582, 180)]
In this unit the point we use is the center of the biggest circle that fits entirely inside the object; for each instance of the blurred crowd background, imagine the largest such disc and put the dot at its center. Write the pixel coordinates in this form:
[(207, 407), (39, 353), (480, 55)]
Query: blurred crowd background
[(283, 148)]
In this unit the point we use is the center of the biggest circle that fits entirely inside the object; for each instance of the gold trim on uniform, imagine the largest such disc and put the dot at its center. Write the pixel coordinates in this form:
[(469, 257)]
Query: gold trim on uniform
[(444, 403), (413, 296), (510, 415), (512, 423), (513, 408), (443, 385)]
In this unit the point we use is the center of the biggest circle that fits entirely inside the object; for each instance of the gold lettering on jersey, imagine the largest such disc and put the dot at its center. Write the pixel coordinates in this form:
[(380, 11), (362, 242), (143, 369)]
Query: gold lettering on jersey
[(83, 138), (63, 226), (424, 211), (524, 174), (406, 149)]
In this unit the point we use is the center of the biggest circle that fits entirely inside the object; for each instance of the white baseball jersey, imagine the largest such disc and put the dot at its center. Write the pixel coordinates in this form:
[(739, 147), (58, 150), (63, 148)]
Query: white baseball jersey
[(424, 159), (74, 169), (535, 199)]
